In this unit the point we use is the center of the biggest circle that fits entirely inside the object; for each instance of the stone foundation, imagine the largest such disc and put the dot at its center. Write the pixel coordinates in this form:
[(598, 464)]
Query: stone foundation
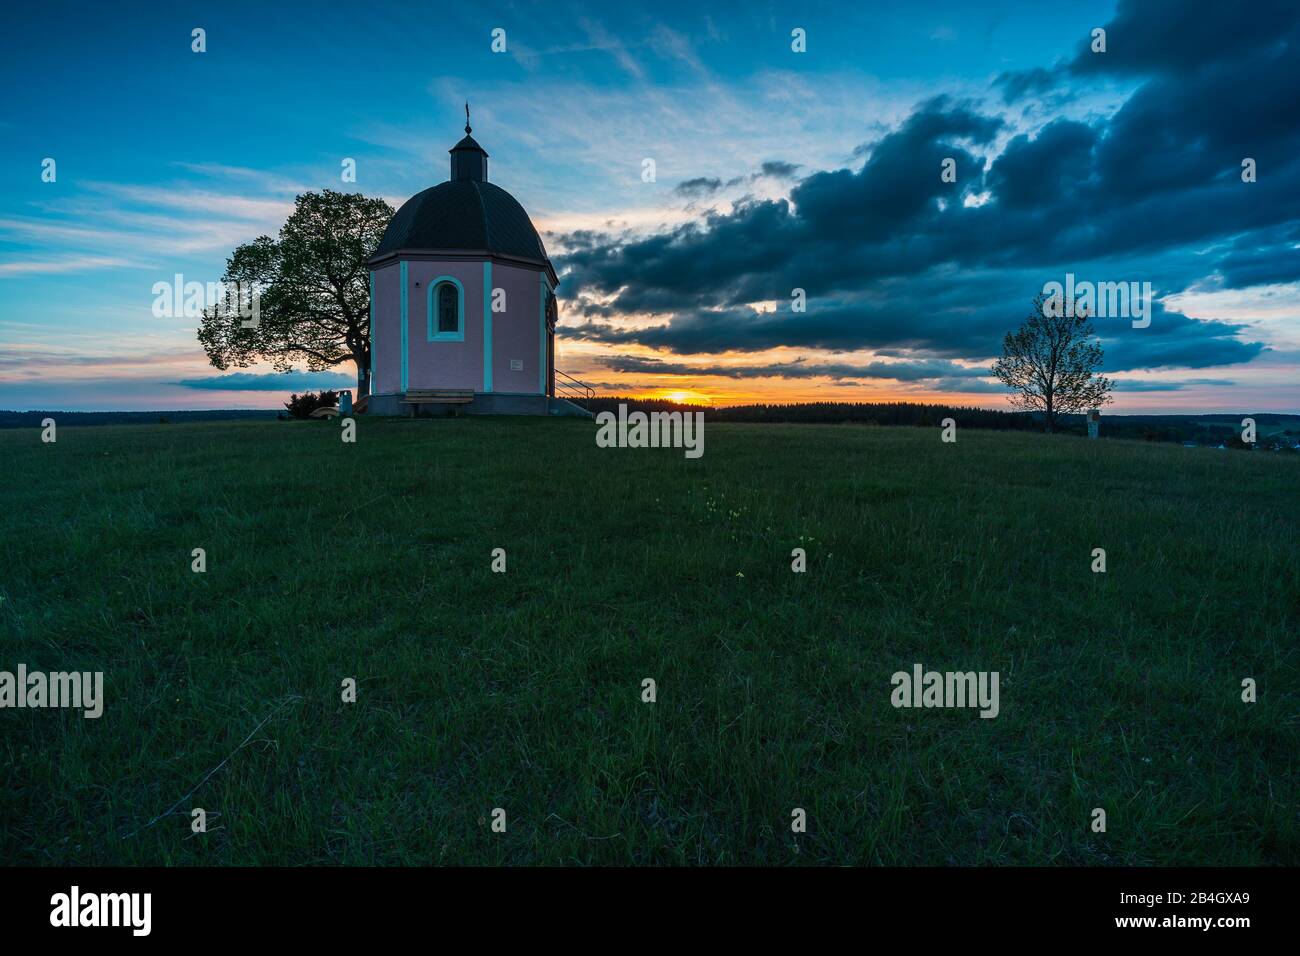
[(484, 403)]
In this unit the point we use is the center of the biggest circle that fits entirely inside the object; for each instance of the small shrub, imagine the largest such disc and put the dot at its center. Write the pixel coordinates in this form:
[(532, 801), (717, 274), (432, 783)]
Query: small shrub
[(301, 406)]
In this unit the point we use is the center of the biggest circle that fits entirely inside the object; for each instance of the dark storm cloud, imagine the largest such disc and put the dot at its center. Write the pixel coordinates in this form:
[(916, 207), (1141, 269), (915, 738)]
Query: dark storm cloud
[(277, 382), (1052, 168), (944, 326), (776, 169), (1169, 38), (892, 257), (702, 187), (698, 187), (838, 227), (1150, 385), (1268, 256), (1021, 83), (1173, 341), (799, 369), (1174, 37)]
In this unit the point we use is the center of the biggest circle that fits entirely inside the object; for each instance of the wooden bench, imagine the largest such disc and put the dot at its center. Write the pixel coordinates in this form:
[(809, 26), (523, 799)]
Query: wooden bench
[(438, 396)]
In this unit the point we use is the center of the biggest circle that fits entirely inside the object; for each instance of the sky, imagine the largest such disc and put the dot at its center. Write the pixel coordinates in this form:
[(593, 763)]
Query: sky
[(775, 170)]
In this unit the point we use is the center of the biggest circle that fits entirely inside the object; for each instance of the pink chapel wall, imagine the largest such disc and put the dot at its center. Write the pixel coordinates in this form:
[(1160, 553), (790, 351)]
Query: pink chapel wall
[(444, 364), (516, 332), (385, 331)]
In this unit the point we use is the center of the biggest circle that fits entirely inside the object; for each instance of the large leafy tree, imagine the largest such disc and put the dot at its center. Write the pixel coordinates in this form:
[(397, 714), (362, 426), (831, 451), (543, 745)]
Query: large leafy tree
[(314, 290), (1050, 363)]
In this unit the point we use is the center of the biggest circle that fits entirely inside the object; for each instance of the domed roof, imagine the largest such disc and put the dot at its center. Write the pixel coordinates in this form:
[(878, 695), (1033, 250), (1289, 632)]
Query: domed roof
[(464, 214)]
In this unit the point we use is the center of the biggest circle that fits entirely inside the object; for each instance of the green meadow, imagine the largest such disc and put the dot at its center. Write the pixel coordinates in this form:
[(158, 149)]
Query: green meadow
[(523, 690)]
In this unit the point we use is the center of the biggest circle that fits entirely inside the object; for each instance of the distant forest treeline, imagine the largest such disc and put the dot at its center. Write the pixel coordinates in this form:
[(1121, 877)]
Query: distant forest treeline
[(834, 413), (1208, 429), (10, 419)]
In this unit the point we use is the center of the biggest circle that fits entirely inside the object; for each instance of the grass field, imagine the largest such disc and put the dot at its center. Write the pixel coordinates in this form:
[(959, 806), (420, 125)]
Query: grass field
[(522, 690)]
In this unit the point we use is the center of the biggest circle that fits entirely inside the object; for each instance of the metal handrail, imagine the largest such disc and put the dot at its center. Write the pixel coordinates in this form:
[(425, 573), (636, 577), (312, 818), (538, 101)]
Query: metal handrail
[(572, 389)]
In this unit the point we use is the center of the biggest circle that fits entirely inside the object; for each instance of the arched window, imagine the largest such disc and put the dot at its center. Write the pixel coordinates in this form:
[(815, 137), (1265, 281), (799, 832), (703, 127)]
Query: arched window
[(446, 310), (447, 302)]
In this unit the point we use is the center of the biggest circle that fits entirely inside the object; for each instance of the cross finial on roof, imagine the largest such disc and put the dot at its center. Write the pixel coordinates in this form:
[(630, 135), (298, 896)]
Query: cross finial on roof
[(467, 129)]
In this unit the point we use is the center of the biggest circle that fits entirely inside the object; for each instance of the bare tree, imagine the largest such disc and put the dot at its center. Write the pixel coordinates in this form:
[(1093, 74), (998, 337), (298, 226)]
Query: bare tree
[(1050, 363)]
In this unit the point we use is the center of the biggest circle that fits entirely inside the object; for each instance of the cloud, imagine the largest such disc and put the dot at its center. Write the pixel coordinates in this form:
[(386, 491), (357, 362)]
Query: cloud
[(704, 186), (1264, 257), (1018, 84), (64, 264), (892, 257), (20, 361), (1157, 385), (698, 187), (602, 39), (906, 371), (777, 169), (280, 382), (203, 201), (1175, 38)]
